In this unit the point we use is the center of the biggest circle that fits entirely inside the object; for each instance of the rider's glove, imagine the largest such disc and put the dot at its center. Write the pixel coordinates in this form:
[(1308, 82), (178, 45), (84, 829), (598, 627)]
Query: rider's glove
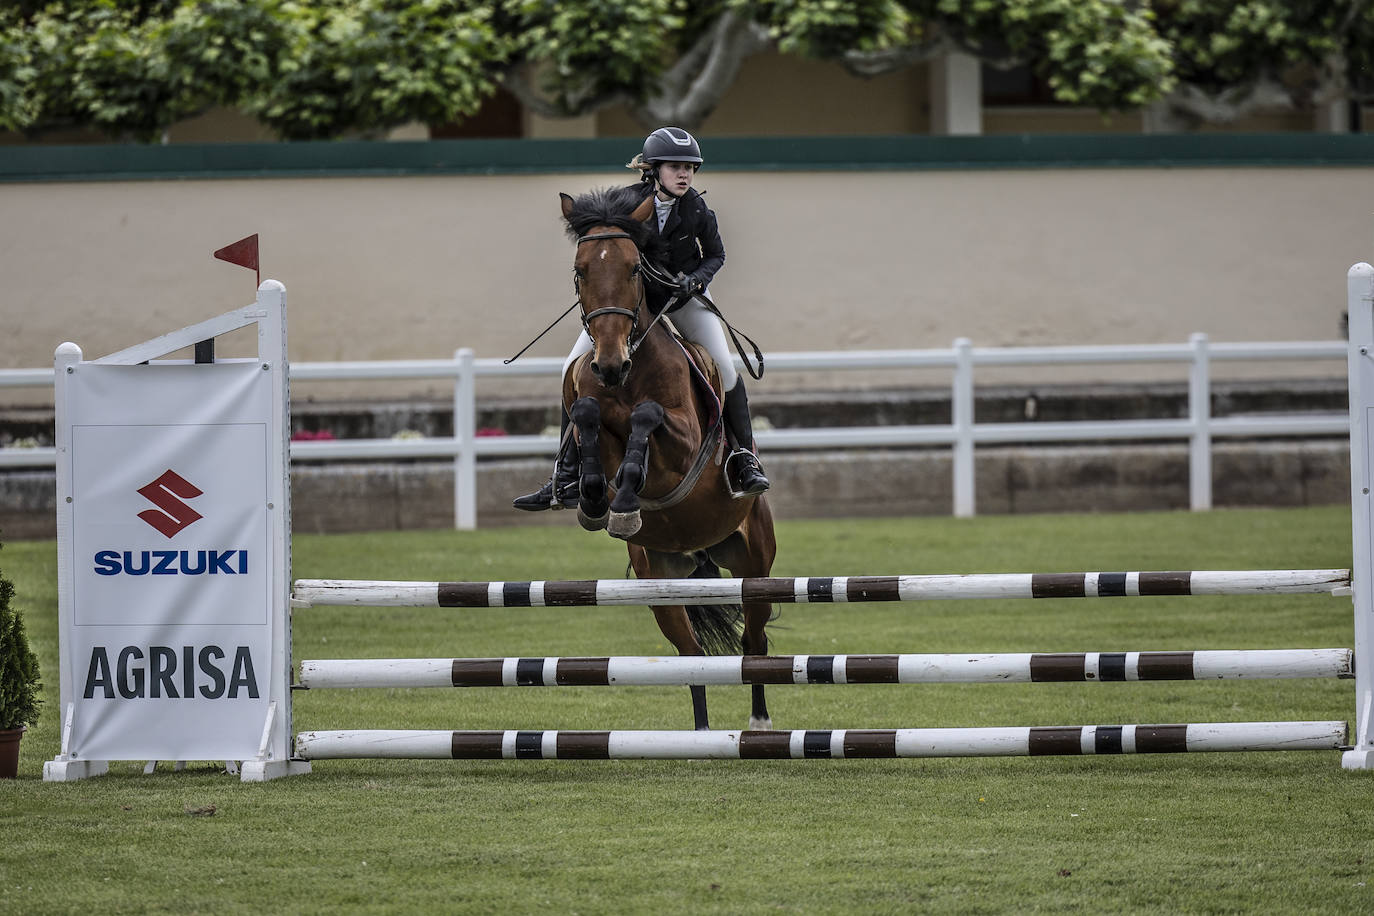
[(690, 283)]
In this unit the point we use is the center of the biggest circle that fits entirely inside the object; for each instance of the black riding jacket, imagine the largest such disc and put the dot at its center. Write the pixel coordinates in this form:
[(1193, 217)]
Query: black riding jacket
[(693, 243)]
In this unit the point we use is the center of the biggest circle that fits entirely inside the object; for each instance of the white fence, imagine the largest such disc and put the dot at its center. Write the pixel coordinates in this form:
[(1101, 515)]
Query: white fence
[(962, 433)]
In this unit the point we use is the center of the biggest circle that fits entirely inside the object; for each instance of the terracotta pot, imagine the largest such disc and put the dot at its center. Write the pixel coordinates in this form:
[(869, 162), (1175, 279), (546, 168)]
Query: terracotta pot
[(9, 752)]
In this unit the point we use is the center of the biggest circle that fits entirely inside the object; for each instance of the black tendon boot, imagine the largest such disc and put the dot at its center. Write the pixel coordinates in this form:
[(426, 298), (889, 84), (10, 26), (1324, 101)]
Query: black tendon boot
[(564, 479), (744, 464)]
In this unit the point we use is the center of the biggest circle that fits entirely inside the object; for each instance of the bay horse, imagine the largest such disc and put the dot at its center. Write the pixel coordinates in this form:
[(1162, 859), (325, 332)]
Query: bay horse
[(659, 435)]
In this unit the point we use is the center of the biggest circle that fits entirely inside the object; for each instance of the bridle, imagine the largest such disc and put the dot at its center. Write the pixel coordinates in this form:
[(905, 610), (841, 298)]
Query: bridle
[(641, 270)]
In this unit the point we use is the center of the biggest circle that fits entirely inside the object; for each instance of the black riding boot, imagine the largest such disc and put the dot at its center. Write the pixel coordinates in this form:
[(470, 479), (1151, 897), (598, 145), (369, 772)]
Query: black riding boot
[(748, 473), (564, 479)]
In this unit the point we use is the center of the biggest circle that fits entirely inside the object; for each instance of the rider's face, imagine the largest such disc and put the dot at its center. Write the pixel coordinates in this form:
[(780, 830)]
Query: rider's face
[(674, 178)]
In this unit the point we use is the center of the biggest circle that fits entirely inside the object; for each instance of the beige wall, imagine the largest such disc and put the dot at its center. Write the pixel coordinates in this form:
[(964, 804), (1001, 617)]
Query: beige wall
[(390, 268)]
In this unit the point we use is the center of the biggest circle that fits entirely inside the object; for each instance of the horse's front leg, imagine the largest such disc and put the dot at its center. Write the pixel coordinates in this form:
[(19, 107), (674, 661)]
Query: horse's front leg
[(591, 499), (625, 522)]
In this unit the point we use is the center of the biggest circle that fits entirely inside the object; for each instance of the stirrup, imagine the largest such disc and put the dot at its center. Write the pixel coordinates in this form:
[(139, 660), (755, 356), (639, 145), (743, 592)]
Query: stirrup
[(744, 475), (543, 498)]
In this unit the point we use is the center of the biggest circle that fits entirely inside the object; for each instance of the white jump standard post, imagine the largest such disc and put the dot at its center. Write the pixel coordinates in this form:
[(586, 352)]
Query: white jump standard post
[(173, 529), (1360, 289)]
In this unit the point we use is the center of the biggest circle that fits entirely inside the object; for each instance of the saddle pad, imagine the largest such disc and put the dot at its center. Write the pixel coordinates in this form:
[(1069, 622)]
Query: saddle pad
[(705, 375)]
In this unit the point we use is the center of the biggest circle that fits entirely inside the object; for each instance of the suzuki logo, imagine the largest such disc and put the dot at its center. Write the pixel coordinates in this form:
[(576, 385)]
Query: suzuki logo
[(163, 493)]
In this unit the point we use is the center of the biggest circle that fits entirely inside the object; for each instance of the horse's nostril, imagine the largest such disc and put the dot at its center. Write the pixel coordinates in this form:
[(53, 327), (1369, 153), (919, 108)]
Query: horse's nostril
[(625, 369), (596, 369)]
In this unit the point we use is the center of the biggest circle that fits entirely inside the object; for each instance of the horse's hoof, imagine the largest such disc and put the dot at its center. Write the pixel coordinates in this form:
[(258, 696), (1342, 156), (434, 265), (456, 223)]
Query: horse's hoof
[(624, 524), (590, 523), (760, 725)]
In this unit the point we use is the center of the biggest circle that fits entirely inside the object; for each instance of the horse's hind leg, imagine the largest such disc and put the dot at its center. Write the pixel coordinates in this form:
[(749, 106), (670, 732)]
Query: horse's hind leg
[(624, 521), (747, 553), (672, 618), (591, 500), (756, 616)]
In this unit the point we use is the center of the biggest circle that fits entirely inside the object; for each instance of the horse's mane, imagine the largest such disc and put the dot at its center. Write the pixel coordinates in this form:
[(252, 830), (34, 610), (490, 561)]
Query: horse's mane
[(612, 207)]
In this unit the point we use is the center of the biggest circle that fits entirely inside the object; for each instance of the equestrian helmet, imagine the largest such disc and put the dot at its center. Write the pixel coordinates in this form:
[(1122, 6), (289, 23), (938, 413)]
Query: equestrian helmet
[(671, 144)]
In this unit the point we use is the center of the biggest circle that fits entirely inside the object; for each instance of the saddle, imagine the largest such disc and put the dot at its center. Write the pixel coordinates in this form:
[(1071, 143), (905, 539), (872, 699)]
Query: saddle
[(707, 372)]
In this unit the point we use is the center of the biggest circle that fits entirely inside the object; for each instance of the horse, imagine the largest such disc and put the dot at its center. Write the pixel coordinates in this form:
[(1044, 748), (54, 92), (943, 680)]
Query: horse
[(660, 436)]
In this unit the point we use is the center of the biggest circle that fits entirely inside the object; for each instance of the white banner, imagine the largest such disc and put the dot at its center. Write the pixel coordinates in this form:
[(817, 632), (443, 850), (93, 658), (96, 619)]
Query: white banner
[(171, 648)]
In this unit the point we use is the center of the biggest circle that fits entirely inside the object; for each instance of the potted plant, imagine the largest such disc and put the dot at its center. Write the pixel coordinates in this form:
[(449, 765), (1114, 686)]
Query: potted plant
[(19, 686)]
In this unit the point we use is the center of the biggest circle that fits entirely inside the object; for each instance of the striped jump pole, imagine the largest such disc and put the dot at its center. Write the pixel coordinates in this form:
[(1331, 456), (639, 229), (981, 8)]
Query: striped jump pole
[(593, 592), (814, 744), (635, 671)]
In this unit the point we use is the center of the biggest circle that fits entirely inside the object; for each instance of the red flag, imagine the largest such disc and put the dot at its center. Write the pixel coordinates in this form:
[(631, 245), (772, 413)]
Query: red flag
[(244, 253)]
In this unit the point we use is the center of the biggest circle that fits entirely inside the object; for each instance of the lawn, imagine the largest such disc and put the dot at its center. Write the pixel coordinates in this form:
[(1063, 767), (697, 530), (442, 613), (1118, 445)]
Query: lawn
[(1272, 832)]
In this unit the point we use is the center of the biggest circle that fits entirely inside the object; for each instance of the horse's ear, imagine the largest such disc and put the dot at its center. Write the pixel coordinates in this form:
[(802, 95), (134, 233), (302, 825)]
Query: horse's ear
[(567, 203), (643, 211)]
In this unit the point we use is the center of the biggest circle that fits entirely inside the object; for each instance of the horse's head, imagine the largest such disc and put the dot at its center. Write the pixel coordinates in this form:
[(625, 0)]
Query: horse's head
[(608, 274)]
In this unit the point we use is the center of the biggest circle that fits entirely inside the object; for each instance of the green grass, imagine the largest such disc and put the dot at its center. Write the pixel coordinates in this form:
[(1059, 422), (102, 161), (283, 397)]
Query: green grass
[(1202, 833)]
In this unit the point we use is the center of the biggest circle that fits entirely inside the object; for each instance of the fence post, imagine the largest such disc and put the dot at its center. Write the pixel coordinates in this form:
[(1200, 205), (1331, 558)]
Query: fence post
[(465, 441), (1200, 416), (961, 416)]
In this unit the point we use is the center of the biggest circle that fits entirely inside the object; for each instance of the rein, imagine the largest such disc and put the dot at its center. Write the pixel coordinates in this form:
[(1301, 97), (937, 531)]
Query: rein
[(648, 269), (642, 269), (643, 265)]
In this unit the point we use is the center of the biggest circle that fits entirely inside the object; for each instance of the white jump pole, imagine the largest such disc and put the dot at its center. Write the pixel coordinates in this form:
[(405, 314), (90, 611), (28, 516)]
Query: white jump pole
[(829, 589), (824, 744), (633, 671)]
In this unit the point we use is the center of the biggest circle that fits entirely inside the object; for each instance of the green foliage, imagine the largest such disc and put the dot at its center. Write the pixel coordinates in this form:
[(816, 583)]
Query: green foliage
[(375, 64), (222, 51), (594, 50), (20, 690), (831, 28), (308, 70), (323, 68), (1219, 44), (1099, 53), (18, 106), (99, 64)]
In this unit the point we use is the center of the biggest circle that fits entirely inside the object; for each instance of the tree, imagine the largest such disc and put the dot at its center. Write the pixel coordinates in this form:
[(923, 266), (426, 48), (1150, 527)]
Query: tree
[(308, 70), (1093, 52), (1235, 58), (323, 68), (87, 64), (373, 65)]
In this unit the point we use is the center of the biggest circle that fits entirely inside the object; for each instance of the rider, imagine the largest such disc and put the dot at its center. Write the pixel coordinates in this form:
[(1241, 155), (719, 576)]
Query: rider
[(669, 162)]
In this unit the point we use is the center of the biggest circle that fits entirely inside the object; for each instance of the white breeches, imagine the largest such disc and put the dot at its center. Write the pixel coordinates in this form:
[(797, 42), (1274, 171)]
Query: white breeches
[(694, 322)]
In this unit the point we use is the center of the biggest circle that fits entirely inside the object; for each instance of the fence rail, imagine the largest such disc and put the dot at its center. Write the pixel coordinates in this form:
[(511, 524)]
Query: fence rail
[(962, 433)]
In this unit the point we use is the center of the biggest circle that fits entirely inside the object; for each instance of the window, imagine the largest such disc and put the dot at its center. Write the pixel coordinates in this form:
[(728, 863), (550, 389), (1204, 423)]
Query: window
[(1015, 86)]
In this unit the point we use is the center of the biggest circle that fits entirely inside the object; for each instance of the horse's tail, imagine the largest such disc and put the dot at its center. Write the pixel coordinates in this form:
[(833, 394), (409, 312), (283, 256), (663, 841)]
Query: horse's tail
[(718, 627)]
